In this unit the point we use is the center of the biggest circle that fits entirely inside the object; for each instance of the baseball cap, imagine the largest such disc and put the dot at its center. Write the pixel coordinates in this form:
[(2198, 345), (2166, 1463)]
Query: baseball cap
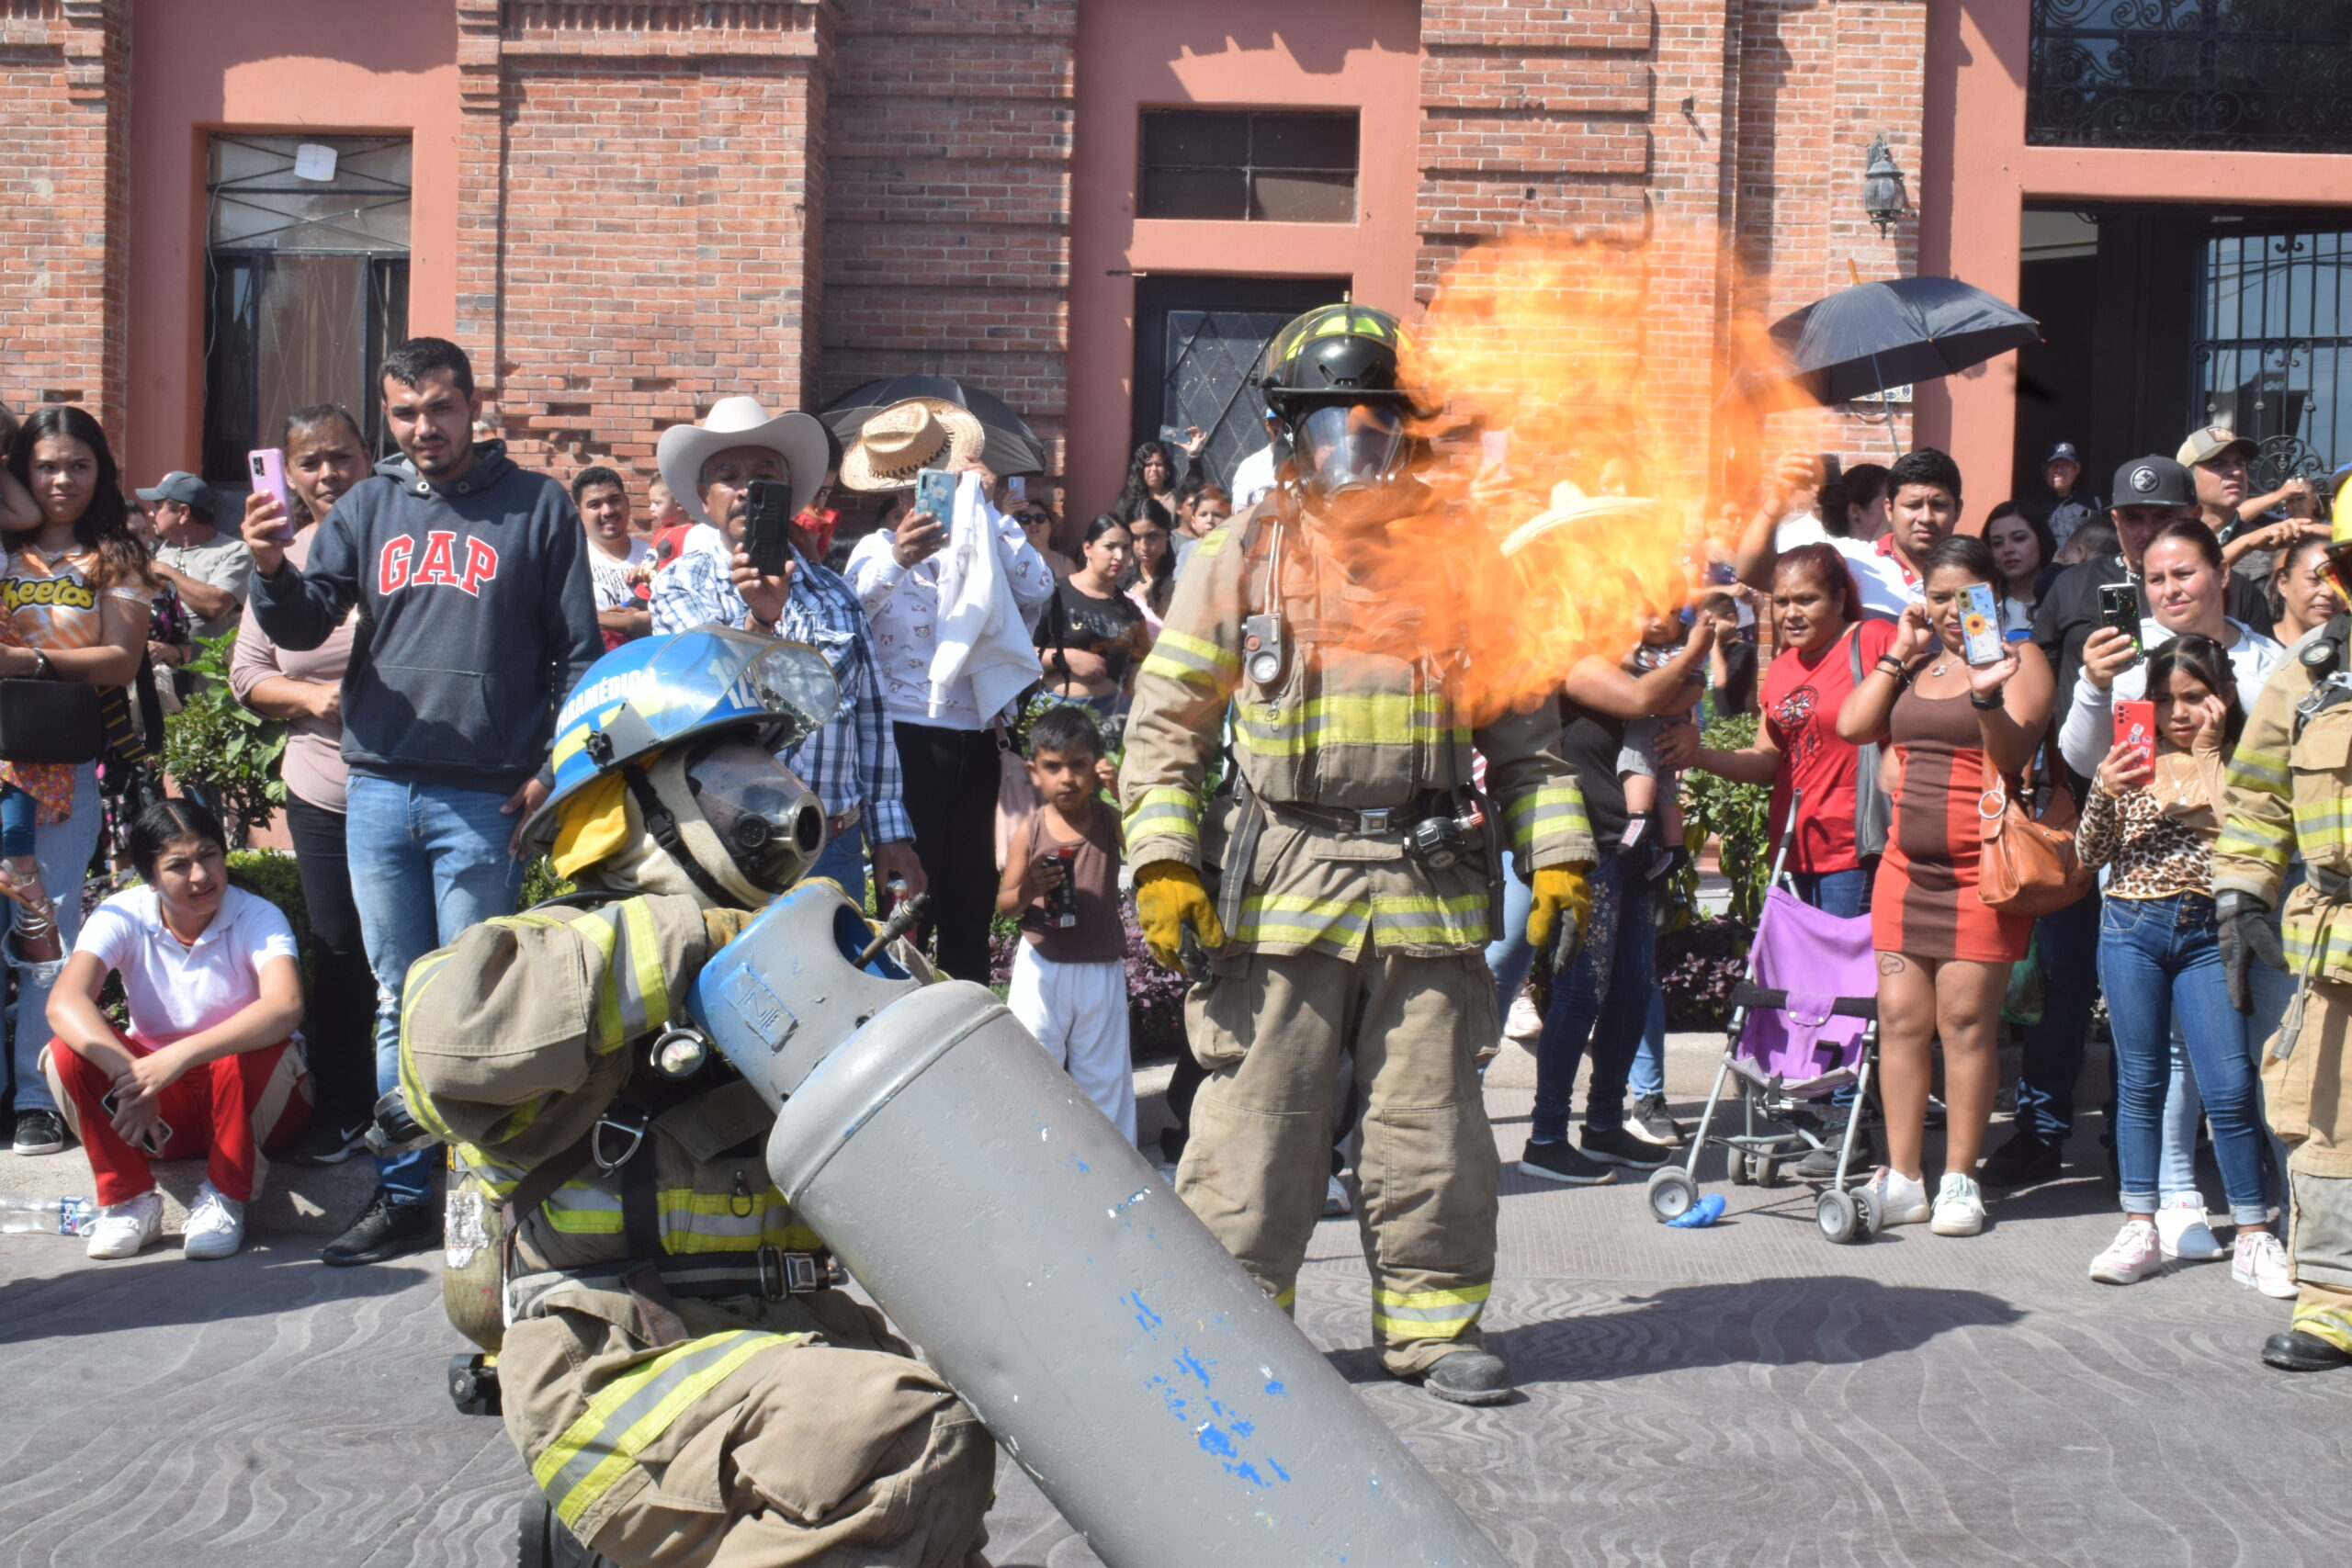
[(2063, 453), (183, 487), (2204, 445), (2153, 480)]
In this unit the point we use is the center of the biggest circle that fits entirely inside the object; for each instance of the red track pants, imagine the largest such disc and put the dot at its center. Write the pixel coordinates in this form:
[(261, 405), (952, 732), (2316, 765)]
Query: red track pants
[(227, 1111)]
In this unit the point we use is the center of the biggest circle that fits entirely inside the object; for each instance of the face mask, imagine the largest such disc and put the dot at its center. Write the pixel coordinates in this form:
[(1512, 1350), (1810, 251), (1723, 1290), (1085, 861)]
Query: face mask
[(766, 819), (1345, 451)]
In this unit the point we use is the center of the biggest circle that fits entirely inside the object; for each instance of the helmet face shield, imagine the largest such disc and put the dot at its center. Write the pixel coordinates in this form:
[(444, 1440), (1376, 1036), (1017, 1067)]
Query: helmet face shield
[(1345, 449), (766, 818)]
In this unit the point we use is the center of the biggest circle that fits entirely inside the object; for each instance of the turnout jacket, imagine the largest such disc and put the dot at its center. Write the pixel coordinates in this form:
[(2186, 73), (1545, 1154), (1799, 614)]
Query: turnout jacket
[(1361, 718), (2288, 792)]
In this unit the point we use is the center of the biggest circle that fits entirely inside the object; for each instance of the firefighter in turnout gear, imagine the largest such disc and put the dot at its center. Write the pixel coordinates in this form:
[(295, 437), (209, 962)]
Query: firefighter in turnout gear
[(1339, 892), (684, 1383), (2289, 793)]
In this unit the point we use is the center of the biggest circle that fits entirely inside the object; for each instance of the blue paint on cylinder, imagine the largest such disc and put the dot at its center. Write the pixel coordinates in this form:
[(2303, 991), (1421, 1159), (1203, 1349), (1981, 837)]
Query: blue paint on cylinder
[(1146, 1319)]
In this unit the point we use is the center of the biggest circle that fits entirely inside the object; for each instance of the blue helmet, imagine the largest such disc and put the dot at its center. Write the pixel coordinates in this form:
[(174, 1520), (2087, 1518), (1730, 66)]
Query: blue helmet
[(652, 693)]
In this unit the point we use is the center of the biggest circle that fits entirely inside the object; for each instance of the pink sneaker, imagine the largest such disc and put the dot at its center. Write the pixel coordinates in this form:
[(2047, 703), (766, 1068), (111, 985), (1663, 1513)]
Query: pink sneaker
[(2132, 1257)]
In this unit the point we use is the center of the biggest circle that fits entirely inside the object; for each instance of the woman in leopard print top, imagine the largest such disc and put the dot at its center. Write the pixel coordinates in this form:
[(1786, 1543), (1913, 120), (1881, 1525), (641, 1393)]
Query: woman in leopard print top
[(2153, 819)]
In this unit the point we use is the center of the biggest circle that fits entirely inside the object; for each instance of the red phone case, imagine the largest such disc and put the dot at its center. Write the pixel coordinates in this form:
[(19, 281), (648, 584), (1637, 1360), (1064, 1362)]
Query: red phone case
[(2135, 725)]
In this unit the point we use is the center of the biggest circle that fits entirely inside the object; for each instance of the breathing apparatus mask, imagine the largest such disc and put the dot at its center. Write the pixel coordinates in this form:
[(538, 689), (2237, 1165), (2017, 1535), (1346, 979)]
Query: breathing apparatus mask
[(1351, 457), (738, 821)]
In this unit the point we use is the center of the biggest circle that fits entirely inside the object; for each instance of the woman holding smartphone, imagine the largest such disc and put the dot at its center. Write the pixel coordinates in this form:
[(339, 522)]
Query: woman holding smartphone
[(1956, 730), (325, 456)]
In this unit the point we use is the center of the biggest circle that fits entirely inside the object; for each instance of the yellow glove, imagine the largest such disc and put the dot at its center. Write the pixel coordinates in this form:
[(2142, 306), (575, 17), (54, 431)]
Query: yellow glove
[(1168, 895), (1562, 894)]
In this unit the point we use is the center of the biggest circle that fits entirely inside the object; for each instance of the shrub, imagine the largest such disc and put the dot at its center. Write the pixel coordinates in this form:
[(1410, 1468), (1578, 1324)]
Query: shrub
[(1155, 997), (217, 743), (1734, 815), (1697, 967)]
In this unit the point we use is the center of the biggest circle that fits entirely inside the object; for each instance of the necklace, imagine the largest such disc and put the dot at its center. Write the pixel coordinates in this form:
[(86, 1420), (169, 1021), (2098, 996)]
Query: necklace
[(1940, 666)]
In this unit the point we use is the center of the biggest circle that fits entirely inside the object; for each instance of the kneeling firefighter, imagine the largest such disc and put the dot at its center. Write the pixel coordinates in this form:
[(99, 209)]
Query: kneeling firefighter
[(672, 1360), (1361, 871)]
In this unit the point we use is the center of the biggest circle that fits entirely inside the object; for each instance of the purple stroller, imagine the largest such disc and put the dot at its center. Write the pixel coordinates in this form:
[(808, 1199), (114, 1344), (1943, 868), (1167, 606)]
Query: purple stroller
[(1803, 1022)]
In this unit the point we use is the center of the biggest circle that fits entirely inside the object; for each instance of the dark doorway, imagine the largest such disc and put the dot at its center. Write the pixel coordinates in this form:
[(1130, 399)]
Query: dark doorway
[(1198, 343)]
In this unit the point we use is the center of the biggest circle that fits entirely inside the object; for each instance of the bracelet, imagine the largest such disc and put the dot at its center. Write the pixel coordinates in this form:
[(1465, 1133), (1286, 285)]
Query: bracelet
[(1894, 668), (1982, 705)]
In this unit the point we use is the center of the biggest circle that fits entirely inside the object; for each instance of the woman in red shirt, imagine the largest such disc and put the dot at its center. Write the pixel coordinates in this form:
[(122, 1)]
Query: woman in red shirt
[(1818, 610)]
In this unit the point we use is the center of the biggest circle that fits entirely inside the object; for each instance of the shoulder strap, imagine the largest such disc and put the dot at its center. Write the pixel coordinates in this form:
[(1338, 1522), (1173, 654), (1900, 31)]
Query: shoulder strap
[(1854, 651)]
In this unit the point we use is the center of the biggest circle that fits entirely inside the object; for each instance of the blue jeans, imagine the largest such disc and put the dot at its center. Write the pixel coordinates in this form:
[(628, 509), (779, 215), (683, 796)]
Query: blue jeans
[(63, 850), (1844, 893), (1509, 956), (1603, 998), (1647, 1074), (2159, 958), (843, 860), (427, 861), (2069, 941), (18, 814)]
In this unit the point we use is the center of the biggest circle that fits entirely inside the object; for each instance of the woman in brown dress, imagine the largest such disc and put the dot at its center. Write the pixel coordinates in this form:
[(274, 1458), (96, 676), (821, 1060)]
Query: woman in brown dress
[(1943, 957)]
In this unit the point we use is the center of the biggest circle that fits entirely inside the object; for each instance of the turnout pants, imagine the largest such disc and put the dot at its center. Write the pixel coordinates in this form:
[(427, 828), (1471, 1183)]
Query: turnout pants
[(673, 1434), (1269, 1029), (2308, 1102)]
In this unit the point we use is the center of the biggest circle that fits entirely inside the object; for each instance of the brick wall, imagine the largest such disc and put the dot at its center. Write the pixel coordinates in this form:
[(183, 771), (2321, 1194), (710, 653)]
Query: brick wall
[(64, 67), (640, 215), (947, 209)]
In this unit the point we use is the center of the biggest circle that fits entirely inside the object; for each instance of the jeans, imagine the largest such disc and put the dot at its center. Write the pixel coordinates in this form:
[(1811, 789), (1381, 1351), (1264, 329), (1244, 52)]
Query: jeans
[(2176, 1133), (1844, 893), (427, 861), (342, 1022), (843, 860), (1647, 1074), (18, 815), (2159, 958), (2070, 945), (1604, 998), (1509, 956), (63, 850)]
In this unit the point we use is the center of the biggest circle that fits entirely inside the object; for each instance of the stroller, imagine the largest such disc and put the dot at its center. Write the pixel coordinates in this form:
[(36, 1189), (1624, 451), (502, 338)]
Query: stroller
[(1803, 1022)]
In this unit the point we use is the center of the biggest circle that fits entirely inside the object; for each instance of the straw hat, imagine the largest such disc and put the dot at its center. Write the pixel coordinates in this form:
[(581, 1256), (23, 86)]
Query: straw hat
[(1571, 505), (795, 438), (922, 432)]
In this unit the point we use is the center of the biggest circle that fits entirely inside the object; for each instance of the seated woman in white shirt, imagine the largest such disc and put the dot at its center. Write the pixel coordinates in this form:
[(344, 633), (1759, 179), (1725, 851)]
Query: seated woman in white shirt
[(2184, 585), (210, 1067)]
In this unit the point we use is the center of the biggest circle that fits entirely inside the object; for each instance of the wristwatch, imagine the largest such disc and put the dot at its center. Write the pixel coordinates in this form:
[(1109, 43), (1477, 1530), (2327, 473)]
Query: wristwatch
[(42, 669)]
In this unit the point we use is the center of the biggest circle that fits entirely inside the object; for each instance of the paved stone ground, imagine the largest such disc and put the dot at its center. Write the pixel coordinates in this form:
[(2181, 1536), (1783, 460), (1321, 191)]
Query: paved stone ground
[(1746, 1394)]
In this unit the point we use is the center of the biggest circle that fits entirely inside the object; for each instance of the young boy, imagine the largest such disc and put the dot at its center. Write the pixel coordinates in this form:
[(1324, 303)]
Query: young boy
[(1653, 805), (1061, 876)]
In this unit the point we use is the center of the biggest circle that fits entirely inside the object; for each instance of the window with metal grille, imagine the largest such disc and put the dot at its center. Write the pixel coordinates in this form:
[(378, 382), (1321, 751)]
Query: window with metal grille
[(2274, 347), (2229, 75), (1244, 165), (306, 284)]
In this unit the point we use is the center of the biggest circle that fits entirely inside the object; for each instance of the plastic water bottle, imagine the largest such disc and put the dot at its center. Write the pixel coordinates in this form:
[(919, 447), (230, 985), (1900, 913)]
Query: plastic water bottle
[(51, 1216)]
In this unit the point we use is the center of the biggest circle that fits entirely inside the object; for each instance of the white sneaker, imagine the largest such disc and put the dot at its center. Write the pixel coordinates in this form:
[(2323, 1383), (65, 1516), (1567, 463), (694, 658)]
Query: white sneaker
[(123, 1228), (215, 1226), (1523, 1023), (1960, 1207), (1901, 1200), (2182, 1231), (2132, 1257), (1335, 1199), (2259, 1262)]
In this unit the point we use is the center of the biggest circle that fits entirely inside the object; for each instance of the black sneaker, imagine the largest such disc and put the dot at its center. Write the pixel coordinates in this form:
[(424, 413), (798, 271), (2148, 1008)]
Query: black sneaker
[(2021, 1162), (38, 1133), (1616, 1145), (1651, 1122), (385, 1230), (1821, 1165), (330, 1140), (1561, 1162)]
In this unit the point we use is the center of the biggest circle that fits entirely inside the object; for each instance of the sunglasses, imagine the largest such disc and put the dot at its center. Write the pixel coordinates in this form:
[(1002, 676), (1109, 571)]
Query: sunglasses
[(1027, 519)]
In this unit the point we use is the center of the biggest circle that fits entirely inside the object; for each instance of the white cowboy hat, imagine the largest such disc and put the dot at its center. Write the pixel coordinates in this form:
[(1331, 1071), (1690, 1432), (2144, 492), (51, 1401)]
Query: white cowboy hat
[(795, 438), (922, 432), (1571, 505)]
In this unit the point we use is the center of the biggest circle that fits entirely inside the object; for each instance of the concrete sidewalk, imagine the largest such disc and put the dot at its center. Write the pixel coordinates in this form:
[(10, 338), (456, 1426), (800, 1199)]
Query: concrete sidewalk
[(1743, 1395)]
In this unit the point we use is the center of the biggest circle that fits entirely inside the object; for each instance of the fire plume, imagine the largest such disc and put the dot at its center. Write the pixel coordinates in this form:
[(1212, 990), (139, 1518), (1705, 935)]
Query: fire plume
[(1597, 514)]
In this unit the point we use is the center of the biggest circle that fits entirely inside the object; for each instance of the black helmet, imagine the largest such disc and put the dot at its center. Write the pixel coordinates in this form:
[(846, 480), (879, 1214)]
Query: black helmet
[(1333, 354)]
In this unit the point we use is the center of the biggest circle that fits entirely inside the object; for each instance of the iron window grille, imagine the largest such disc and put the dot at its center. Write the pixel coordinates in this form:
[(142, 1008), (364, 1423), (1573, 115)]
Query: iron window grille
[(2274, 347), (2220, 76)]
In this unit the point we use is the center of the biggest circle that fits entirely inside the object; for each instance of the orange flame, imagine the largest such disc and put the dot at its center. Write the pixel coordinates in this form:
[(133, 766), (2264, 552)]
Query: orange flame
[(1605, 390)]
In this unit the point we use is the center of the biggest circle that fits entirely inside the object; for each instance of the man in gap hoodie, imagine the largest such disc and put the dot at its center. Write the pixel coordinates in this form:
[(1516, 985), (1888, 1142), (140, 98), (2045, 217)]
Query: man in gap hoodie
[(476, 618)]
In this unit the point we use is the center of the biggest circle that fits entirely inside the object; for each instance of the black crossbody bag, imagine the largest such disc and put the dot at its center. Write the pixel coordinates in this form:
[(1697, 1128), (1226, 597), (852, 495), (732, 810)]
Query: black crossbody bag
[(50, 721)]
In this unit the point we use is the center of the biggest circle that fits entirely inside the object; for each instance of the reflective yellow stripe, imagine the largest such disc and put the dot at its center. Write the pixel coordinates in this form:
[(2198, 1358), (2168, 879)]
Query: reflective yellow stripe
[(1165, 811), (695, 1221), (1549, 809), (1341, 925), (635, 1409), (1428, 1315), (2256, 771), (2248, 840), (1287, 1299), (2301, 937), (1212, 544), (2332, 1323), (498, 1178), (1460, 921), (2322, 824), (420, 1104), (1181, 656), (1380, 718)]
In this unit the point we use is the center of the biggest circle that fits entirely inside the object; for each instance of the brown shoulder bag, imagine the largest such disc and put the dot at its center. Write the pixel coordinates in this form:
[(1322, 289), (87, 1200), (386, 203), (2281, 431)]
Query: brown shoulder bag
[(2029, 866)]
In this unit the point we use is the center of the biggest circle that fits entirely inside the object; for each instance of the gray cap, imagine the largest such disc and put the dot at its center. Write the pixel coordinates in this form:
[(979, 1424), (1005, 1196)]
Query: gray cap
[(2153, 480), (183, 487)]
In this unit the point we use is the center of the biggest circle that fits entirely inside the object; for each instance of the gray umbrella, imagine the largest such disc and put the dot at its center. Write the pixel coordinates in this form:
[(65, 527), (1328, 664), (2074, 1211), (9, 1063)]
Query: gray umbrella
[(1012, 446)]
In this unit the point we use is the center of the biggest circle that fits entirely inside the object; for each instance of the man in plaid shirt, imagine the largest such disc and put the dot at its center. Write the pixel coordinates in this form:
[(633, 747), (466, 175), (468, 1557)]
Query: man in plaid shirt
[(853, 762)]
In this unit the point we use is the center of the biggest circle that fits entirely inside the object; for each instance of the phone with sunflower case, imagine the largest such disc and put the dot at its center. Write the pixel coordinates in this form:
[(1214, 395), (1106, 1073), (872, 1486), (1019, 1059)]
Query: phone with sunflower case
[(1979, 626)]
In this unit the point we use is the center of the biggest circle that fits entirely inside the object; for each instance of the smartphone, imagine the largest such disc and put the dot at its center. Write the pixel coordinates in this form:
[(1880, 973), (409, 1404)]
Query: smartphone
[(1979, 626), (1174, 434), (1833, 467), (267, 467), (2118, 606), (2135, 726), (767, 519), (936, 493), (1016, 491), (1494, 452)]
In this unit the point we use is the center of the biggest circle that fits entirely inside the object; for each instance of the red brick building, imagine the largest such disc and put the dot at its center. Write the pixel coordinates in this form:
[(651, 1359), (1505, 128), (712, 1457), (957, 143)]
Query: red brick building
[(626, 208)]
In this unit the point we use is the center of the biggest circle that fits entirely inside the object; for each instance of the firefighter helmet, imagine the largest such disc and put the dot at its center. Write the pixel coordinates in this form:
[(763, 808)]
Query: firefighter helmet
[(1332, 377), (1334, 353)]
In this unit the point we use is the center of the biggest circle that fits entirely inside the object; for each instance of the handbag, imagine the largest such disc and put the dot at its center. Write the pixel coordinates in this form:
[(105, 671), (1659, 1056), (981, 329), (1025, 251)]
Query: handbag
[(1016, 798), (2028, 865), (50, 721), (1874, 807)]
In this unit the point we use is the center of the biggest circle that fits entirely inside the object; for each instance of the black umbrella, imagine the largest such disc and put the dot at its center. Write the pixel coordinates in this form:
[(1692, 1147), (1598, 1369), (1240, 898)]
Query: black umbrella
[(1892, 334), (1013, 448)]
